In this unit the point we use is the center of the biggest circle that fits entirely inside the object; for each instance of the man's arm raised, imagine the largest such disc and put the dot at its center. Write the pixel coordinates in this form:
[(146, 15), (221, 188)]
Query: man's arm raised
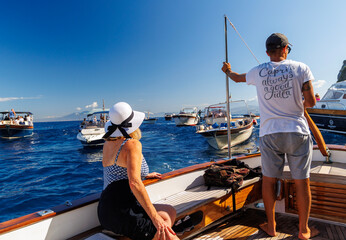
[(236, 77)]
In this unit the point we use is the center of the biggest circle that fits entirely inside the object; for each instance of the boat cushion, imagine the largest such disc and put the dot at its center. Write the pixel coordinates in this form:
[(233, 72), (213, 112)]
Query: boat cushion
[(198, 196)]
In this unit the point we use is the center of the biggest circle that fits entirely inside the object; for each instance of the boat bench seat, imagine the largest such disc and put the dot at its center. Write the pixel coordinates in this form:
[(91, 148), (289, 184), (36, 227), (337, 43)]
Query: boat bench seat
[(187, 200), (323, 172)]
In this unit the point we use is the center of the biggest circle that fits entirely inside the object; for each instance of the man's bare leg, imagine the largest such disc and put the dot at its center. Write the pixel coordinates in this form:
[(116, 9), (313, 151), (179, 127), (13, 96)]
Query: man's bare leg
[(269, 200), (304, 206)]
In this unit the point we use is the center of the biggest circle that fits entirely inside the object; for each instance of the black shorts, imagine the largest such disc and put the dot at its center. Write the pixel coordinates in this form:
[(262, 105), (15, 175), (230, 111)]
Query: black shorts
[(119, 212)]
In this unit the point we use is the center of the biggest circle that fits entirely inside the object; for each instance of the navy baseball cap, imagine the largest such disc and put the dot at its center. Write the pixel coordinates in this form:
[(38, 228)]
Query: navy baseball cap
[(276, 41)]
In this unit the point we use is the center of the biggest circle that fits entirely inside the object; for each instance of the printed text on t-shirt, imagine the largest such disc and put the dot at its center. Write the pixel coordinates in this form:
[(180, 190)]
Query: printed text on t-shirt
[(276, 82)]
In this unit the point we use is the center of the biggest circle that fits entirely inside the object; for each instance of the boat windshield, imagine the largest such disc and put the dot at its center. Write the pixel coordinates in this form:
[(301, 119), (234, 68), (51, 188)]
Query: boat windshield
[(336, 91), (97, 119), (237, 108), (332, 95), (341, 86), (217, 111), (189, 110)]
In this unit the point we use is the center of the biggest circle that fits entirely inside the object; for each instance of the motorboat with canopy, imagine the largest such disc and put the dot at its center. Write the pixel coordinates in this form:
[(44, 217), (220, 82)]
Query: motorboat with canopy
[(216, 121), (92, 129), (22, 125)]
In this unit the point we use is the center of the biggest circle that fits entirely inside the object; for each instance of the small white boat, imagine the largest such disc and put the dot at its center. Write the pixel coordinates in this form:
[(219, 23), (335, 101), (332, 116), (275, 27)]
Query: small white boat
[(168, 116), (187, 117), (20, 126), (149, 120), (215, 127), (329, 114), (217, 137), (92, 129)]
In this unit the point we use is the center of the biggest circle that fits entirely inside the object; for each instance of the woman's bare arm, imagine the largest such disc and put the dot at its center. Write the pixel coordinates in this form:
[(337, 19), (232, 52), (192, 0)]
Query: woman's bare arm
[(134, 162)]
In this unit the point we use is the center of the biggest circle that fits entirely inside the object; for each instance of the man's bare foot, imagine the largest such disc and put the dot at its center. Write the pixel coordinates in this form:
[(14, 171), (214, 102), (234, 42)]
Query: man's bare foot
[(312, 233), (265, 227)]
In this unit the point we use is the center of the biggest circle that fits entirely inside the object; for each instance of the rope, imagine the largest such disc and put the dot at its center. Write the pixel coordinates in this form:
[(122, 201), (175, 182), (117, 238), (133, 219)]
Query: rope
[(242, 39)]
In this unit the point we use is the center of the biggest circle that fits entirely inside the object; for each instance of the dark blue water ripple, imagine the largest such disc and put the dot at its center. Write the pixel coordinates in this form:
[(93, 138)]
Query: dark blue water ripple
[(50, 167)]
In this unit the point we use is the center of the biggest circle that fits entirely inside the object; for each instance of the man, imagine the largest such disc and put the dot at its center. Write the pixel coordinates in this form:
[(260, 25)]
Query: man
[(12, 114), (84, 122), (284, 89)]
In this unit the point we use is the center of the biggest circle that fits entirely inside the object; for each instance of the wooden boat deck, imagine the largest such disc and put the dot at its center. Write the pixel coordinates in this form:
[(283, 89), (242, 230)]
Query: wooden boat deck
[(245, 226)]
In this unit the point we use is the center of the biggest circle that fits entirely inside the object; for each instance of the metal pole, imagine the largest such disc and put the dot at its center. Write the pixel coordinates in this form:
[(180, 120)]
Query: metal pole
[(227, 97)]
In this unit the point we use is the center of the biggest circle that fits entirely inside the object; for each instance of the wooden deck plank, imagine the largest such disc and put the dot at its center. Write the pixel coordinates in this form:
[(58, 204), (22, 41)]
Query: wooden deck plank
[(339, 231), (329, 232), (343, 230), (200, 195), (246, 227)]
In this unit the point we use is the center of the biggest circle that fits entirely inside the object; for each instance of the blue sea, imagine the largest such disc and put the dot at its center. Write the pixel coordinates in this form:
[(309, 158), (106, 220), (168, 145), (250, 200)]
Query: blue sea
[(51, 167)]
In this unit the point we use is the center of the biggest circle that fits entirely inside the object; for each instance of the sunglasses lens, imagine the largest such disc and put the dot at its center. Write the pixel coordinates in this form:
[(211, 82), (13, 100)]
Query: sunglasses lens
[(289, 49)]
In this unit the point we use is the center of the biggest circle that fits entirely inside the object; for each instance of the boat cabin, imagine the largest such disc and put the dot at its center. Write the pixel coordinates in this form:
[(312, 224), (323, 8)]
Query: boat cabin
[(335, 98)]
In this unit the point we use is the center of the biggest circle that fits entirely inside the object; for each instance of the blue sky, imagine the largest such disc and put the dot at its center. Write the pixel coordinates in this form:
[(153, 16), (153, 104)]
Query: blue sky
[(59, 57)]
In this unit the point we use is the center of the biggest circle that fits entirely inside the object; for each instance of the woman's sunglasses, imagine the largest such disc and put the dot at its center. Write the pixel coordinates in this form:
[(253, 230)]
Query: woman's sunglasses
[(289, 49)]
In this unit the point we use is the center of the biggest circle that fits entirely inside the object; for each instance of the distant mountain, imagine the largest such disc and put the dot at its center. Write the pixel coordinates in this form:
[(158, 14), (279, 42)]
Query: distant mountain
[(77, 116)]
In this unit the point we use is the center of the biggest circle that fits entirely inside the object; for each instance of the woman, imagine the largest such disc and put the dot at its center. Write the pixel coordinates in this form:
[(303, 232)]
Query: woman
[(317, 96), (124, 206)]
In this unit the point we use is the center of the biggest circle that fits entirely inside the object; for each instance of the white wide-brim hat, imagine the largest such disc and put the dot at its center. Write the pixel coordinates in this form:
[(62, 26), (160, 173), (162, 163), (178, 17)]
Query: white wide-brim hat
[(121, 112)]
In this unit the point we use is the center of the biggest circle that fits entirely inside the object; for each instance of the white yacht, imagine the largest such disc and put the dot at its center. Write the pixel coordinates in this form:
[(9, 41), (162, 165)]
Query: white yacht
[(92, 129), (329, 113), (187, 117)]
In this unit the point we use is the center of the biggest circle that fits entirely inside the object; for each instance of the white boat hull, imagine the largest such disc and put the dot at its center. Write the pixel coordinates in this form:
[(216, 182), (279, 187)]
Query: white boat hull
[(217, 137), (221, 141), (91, 137), (186, 120)]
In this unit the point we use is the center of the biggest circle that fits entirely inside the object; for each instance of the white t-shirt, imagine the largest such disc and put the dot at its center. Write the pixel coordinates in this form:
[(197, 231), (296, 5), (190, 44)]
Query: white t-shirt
[(279, 92)]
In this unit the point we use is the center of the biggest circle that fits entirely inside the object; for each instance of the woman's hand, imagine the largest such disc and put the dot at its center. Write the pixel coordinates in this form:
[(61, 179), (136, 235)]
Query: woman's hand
[(153, 175), (164, 231)]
